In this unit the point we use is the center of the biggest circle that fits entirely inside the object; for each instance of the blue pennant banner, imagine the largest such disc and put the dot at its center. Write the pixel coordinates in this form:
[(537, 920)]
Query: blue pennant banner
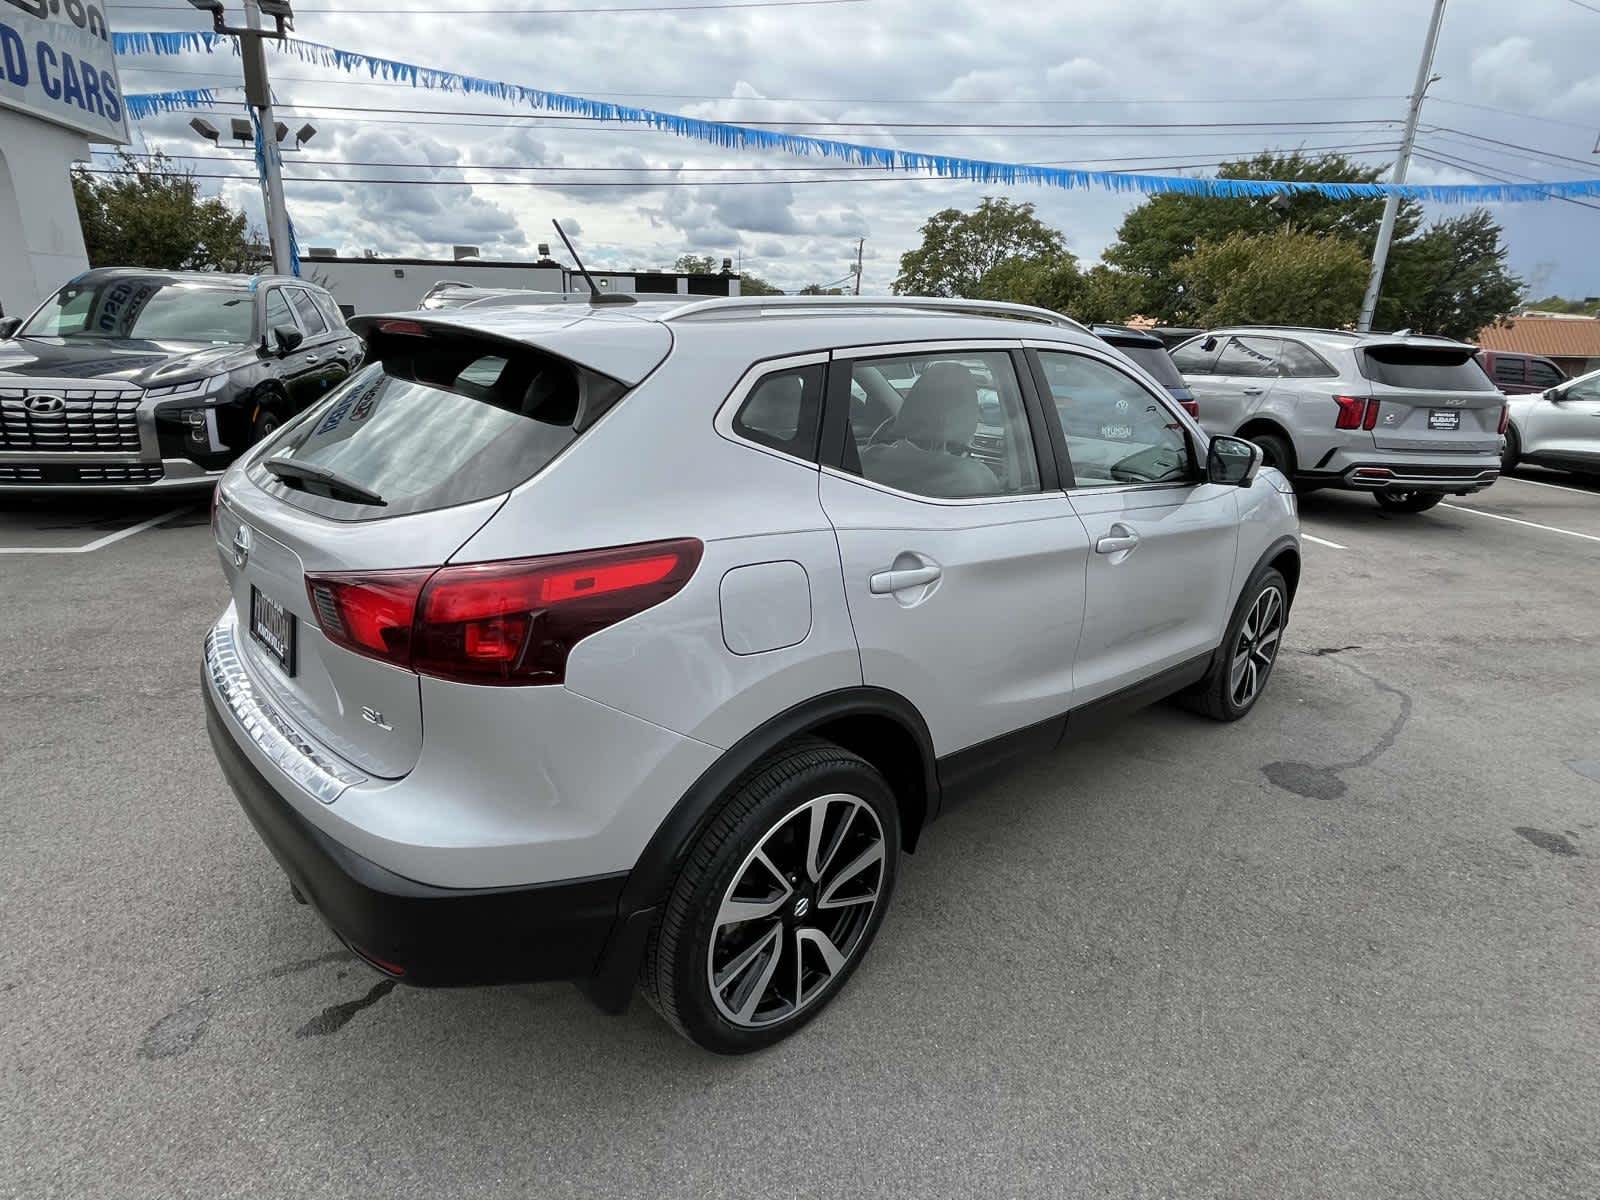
[(744, 137), (147, 104)]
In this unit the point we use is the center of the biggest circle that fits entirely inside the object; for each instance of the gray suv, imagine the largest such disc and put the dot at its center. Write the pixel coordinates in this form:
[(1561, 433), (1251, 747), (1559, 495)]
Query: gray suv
[(1409, 419), (638, 642)]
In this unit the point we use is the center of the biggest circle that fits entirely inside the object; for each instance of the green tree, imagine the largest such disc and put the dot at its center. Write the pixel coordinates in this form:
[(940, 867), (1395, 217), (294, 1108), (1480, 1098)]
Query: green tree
[(697, 264), (751, 284), (1589, 306), (1287, 276), (1106, 294), (1164, 230), (959, 248), (816, 289), (150, 213), (1452, 279), (1048, 281)]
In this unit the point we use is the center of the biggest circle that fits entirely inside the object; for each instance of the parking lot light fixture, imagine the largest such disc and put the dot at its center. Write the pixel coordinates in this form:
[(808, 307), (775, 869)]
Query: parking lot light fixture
[(206, 130)]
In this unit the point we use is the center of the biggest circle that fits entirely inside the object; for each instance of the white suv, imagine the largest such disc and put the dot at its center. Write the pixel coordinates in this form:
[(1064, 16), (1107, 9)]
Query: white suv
[(637, 642)]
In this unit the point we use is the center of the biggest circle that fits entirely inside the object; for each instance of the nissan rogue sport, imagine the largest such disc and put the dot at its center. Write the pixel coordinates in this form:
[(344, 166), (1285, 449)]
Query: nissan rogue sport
[(640, 641)]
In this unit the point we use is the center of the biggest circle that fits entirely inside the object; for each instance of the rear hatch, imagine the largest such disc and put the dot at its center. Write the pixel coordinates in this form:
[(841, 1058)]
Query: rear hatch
[(392, 473), (1432, 398)]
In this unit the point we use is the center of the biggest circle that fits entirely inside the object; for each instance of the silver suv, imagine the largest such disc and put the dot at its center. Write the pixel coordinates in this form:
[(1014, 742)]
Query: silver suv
[(640, 641), (1409, 419)]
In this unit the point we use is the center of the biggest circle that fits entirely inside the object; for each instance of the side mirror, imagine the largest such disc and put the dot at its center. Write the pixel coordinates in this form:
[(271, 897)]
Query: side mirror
[(1555, 395), (1231, 460), (9, 326), (287, 338)]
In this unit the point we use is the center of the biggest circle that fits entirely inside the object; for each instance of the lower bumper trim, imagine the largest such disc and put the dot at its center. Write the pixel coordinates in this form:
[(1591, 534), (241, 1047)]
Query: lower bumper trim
[(421, 934)]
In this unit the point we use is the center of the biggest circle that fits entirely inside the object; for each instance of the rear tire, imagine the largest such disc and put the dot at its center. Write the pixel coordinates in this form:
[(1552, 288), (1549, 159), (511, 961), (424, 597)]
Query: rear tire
[(264, 426), (1276, 452), (777, 901), (1249, 651), (1407, 502), (1513, 451)]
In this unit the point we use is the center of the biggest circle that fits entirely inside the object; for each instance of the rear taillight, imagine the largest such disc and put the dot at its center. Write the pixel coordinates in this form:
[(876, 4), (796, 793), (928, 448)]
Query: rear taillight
[(1355, 412), (1505, 419), (510, 622), (1192, 407)]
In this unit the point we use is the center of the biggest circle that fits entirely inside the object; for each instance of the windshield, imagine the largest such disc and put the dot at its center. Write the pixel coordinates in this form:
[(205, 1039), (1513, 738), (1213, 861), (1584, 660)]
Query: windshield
[(146, 309)]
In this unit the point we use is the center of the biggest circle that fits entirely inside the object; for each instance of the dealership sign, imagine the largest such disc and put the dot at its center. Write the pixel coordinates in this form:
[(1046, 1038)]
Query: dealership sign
[(56, 64)]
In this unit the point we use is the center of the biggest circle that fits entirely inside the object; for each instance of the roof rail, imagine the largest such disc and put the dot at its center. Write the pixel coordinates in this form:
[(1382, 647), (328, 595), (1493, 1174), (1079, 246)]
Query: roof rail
[(974, 308)]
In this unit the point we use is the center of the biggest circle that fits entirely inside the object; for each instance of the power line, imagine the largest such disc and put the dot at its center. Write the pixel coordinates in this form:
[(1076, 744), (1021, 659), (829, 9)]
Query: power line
[(1478, 137), (1444, 159), (525, 12), (1521, 152), (967, 101), (1581, 4), (1505, 112)]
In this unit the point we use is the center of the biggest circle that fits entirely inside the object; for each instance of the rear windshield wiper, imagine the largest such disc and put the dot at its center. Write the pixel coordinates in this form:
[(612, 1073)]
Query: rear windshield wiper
[(289, 469)]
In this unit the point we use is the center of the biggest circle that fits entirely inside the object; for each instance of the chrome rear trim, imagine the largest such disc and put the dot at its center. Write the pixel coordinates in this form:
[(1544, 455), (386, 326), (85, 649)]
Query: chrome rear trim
[(313, 768), (1440, 483)]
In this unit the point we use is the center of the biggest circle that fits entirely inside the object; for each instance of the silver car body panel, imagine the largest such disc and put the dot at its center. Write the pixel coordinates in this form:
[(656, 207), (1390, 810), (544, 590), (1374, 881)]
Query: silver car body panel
[(475, 786), (1560, 427)]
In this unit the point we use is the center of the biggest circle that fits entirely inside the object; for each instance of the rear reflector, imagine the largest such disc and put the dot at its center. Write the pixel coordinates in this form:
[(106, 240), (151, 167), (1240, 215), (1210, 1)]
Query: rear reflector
[(1373, 473), (1505, 419), (1192, 407), (512, 622), (1371, 419)]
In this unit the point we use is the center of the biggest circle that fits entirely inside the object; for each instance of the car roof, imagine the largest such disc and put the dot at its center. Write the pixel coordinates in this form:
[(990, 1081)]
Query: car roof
[(1123, 335), (627, 340), (1345, 337), (209, 278)]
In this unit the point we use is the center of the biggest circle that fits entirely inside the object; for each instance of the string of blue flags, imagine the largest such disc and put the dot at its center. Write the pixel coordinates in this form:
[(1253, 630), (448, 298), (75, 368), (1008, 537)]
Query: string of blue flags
[(730, 136)]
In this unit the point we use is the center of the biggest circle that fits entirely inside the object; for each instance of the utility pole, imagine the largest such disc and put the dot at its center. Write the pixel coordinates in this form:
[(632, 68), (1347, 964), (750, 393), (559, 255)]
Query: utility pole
[(860, 246), (1402, 162), (258, 95)]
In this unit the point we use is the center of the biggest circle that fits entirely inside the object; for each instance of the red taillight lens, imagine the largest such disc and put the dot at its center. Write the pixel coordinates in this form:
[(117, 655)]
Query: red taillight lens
[(371, 613), (1192, 407), (511, 622), (1505, 419), (1351, 410), (1371, 418)]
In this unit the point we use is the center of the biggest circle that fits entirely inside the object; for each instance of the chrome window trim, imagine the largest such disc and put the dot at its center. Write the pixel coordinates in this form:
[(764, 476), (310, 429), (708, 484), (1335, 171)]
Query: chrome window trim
[(1201, 439), (723, 421), (316, 771), (998, 498)]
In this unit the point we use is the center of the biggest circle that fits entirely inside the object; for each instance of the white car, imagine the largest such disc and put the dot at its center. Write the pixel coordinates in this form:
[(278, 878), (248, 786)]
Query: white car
[(1559, 427), (638, 641)]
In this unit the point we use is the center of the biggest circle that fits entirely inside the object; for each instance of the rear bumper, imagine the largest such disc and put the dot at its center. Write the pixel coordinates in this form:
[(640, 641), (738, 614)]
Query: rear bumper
[(420, 934), (1375, 477)]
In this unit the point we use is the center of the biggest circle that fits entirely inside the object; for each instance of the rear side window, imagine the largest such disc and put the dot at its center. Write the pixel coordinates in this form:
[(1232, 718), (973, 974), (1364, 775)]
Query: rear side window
[(1441, 369), (1301, 362), (1508, 369), (1249, 357), (782, 411), (306, 309), (447, 423), (1543, 374), (1156, 362), (278, 310), (329, 309)]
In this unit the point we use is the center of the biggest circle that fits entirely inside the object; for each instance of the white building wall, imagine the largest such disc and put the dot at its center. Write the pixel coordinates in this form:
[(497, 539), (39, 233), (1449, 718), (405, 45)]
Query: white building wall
[(41, 243), (378, 287)]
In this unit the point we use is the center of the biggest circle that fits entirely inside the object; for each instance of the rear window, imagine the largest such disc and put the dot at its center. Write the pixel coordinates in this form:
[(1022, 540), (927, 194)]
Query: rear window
[(1426, 368), (1156, 362), (445, 424)]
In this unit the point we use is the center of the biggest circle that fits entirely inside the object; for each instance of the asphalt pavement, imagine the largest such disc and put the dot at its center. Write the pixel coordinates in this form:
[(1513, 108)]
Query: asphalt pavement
[(1349, 946)]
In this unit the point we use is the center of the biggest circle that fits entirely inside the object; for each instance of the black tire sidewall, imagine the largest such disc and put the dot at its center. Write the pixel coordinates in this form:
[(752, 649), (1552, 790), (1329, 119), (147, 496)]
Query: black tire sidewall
[(267, 423), (1247, 600), (692, 995), (1274, 446), (1415, 502)]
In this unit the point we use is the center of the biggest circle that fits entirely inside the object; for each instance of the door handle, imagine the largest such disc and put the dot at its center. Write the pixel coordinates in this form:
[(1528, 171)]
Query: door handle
[(1253, 391), (884, 582), (1116, 542)]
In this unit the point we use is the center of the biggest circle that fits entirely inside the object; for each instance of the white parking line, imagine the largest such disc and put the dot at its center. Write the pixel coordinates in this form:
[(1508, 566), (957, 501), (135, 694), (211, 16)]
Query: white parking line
[(1588, 537), (99, 543), (1322, 541)]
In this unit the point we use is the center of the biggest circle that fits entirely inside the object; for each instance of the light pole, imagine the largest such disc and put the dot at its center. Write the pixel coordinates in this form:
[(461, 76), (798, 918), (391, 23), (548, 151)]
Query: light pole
[(1391, 204), (258, 95)]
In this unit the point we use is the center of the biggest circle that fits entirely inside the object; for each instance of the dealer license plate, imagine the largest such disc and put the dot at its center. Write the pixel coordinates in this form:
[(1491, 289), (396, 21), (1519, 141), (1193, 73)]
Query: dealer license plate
[(1444, 418), (272, 627)]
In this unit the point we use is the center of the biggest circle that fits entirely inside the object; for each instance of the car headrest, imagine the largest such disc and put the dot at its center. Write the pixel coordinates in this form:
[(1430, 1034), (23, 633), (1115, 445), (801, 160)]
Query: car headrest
[(941, 409)]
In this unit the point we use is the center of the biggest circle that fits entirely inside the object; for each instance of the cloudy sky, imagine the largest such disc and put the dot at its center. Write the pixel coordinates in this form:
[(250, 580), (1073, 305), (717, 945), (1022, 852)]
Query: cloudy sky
[(1158, 84)]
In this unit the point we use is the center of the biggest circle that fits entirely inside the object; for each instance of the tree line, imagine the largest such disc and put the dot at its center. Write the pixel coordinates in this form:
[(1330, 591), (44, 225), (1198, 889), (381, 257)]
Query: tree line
[(1199, 260)]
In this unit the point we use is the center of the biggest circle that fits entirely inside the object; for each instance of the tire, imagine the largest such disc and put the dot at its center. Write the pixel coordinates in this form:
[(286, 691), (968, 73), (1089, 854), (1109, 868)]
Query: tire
[(821, 922), (1407, 502), (1220, 695), (265, 425), (1276, 452), (1513, 451)]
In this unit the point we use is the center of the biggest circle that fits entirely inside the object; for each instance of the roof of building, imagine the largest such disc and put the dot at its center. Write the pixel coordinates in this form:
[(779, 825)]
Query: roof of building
[(1554, 337)]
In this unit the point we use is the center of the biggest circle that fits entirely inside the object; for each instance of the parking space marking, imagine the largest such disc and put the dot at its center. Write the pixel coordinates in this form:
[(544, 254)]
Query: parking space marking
[(1321, 541), (99, 543), (1588, 537), (1560, 487)]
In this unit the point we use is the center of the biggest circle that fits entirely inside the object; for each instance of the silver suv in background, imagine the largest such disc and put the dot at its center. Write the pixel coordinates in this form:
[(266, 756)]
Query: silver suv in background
[(638, 642), (1558, 427), (1409, 419)]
